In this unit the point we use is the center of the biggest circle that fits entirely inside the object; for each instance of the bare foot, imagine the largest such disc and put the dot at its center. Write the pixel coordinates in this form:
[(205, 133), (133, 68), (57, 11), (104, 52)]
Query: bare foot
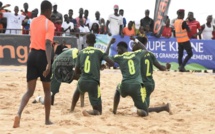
[(85, 113), (16, 121), (168, 108), (48, 122)]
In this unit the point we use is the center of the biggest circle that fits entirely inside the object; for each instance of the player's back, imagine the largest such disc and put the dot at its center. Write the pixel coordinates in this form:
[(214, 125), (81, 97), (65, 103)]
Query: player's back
[(147, 67), (63, 65), (67, 57), (129, 64), (89, 61)]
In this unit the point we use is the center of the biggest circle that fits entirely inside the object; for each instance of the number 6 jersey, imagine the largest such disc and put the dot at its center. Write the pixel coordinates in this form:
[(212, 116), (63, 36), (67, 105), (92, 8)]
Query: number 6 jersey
[(89, 61)]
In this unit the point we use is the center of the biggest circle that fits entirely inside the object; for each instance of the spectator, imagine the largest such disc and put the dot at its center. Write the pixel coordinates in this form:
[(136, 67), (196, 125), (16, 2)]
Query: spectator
[(58, 16), (34, 13), (147, 21), (95, 28), (87, 22), (1, 23), (129, 31), (26, 12), (2, 8), (147, 31), (26, 22), (67, 26), (207, 29), (3, 20), (97, 15), (141, 32), (121, 12), (57, 26), (60, 48), (82, 37), (102, 26), (116, 23), (14, 21), (71, 19), (194, 26), (81, 11), (167, 30)]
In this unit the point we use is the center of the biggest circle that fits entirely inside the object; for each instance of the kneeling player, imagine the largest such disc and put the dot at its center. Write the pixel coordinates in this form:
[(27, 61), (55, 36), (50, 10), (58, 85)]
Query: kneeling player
[(147, 63), (131, 85), (88, 65), (62, 71)]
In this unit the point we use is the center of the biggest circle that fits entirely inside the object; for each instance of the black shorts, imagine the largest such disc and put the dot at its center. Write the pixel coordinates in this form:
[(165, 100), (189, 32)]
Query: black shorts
[(185, 45), (36, 64)]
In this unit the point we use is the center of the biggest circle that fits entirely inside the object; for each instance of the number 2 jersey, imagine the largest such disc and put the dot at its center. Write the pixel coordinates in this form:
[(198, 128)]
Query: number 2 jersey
[(147, 68), (89, 61), (62, 67), (129, 63)]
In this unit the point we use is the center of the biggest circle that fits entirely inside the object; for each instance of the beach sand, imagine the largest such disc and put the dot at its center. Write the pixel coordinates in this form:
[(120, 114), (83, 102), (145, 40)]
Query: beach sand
[(191, 95)]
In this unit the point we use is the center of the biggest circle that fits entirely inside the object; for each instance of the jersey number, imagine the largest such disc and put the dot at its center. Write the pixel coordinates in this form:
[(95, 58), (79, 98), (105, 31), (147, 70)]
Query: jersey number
[(131, 67), (87, 65), (148, 66)]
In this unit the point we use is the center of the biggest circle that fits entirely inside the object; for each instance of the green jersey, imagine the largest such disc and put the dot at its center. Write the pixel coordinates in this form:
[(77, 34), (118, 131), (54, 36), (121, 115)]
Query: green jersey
[(129, 63), (147, 68), (89, 61), (62, 67)]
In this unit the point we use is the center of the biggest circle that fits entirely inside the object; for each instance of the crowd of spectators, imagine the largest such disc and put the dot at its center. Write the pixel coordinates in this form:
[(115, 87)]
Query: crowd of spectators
[(116, 24)]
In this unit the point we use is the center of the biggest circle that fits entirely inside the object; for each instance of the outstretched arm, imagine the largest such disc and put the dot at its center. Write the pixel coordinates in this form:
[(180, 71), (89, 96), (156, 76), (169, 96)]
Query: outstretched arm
[(142, 46), (161, 67), (113, 40)]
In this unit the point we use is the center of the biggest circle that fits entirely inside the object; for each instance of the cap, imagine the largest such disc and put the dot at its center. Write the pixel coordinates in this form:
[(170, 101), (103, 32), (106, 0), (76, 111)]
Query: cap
[(116, 7), (180, 11)]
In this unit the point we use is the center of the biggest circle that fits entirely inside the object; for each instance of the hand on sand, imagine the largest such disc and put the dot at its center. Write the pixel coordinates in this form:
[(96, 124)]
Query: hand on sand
[(168, 66)]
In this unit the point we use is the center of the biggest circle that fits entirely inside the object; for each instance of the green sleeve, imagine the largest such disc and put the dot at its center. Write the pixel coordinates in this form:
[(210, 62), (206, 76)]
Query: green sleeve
[(78, 61), (154, 59), (104, 56)]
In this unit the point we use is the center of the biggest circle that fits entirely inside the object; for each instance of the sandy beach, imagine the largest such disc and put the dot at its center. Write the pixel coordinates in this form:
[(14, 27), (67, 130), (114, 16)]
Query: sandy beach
[(191, 95)]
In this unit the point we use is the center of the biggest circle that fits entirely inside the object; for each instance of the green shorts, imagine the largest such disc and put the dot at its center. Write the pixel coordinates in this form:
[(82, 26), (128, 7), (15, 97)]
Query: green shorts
[(93, 89), (137, 93), (149, 89), (55, 85)]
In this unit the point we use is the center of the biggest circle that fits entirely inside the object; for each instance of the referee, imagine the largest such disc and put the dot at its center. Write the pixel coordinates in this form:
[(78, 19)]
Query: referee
[(39, 60)]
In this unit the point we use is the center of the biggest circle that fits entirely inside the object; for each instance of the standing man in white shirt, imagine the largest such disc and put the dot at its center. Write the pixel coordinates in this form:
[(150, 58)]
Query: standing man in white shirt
[(116, 23), (82, 36), (14, 21), (208, 28), (67, 26)]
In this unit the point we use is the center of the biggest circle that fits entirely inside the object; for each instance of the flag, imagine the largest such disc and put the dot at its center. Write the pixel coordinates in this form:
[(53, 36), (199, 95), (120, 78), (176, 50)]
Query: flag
[(161, 10)]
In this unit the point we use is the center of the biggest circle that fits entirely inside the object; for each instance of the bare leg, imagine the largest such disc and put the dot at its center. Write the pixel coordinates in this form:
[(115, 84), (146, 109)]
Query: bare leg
[(160, 109), (116, 101), (47, 102), (82, 100), (75, 98), (52, 99), (30, 91)]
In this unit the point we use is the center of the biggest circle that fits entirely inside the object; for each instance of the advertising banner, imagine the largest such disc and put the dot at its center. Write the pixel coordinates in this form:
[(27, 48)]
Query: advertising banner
[(14, 49), (166, 50)]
